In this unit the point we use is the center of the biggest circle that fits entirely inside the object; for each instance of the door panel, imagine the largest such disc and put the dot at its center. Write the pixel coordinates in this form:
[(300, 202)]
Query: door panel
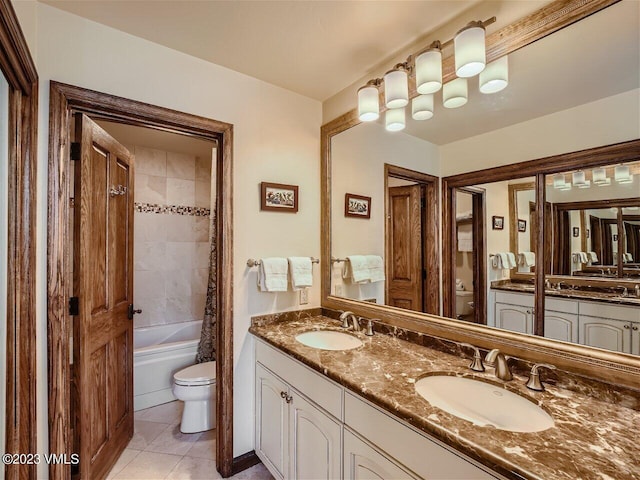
[(404, 282), (103, 274)]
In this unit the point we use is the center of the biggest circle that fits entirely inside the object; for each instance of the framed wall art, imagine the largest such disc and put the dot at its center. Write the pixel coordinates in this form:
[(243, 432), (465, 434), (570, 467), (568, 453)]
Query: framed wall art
[(357, 206), (278, 197)]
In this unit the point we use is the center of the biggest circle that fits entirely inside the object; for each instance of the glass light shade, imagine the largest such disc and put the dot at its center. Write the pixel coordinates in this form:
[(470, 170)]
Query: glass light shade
[(579, 178), (586, 184), (559, 181), (622, 174), (429, 71), (599, 176), (495, 76), (469, 51), (422, 107), (396, 88), (567, 186), (455, 93), (395, 119), (368, 103)]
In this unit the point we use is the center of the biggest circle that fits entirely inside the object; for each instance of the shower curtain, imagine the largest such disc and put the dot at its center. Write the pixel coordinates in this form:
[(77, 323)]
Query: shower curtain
[(207, 345)]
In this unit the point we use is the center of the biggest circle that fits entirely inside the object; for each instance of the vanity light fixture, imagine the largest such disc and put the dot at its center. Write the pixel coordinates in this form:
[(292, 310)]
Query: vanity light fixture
[(369, 101), (495, 76), (469, 50), (396, 86), (622, 174), (579, 179), (455, 93), (599, 176), (559, 181), (429, 69), (422, 107), (395, 119)]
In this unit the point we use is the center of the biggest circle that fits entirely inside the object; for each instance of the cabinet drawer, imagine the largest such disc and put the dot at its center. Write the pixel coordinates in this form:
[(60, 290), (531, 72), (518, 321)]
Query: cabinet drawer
[(604, 310), (323, 391), (557, 305), (412, 449), (523, 299)]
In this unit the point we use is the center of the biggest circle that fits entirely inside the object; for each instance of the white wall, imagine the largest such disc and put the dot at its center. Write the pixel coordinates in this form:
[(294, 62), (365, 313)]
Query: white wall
[(358, 156), (276, 138), (603, 122), (4, 199)]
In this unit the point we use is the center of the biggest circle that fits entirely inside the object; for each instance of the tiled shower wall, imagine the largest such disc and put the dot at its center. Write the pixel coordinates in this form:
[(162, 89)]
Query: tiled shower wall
[(171, 245)]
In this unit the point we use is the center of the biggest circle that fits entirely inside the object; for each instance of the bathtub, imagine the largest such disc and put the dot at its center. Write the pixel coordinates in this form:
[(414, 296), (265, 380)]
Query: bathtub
[(159, 352)]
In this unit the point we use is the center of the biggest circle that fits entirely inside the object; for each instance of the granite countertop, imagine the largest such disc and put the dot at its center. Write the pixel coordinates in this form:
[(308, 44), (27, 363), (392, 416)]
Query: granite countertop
[(591, 439), (594, 296)]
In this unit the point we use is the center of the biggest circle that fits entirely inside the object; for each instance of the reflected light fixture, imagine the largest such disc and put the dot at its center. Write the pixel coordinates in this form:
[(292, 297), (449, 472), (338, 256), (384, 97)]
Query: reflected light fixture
[(599, 176), (422, 107), (455, 93), (622, 174), (495, 76), (395, 119), (396, 87), (368, 101), (429, 69), (559, 180), (579, 179), (469, 50)]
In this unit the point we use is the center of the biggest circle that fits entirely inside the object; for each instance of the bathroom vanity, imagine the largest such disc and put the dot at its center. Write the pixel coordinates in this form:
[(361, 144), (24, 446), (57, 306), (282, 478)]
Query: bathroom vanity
[(347, 413)]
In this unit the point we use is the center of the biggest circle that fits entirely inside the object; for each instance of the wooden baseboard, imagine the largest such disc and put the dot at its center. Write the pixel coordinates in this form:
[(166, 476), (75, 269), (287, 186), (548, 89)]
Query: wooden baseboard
[(244, 461)]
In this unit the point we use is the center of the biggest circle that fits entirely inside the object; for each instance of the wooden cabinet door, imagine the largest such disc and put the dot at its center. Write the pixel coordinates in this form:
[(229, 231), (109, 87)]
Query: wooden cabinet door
[(515, 318), (363, 462), (561, 326), (315, 446), (404, 240), (271, 421), (605, 333), (103, 282)]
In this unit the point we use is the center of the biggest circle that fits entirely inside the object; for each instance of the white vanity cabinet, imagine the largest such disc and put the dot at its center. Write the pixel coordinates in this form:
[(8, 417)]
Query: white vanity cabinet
[(295, 438), (308, 427), (613, 327), (514, 311), (561, 319)]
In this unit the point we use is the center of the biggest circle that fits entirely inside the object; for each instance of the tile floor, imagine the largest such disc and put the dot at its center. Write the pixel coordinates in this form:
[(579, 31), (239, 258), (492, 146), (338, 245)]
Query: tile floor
[(158, 450)]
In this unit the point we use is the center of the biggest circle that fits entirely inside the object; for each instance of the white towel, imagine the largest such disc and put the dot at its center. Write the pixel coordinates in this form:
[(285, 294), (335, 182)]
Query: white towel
[(272, 274), (627, 257), (301, 271), (503, 260), (592, 256), (528, 259), (356, 268), (465, 240), (512, 260), (583, 257), (376, 268)]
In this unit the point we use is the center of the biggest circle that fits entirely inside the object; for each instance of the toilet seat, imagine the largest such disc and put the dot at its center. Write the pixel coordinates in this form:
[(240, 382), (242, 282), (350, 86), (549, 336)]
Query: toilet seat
[(196, 375)]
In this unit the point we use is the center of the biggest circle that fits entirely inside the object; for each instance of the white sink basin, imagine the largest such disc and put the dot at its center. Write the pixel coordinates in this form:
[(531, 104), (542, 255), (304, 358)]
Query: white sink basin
[(328, 340), (483, 404)]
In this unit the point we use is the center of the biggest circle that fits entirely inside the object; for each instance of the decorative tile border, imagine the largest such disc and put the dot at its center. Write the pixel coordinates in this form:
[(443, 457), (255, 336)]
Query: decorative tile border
[(171, 209)]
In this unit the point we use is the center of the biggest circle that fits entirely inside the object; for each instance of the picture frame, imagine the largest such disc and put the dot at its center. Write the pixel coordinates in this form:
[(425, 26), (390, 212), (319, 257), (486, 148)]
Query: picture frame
[(278, 197), (522, 225), (576, 232), (357, 206), (497, 222), (615, 237)]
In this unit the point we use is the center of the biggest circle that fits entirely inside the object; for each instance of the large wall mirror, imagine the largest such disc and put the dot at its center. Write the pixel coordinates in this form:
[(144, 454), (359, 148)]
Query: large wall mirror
[(18, 125), (509, 237)]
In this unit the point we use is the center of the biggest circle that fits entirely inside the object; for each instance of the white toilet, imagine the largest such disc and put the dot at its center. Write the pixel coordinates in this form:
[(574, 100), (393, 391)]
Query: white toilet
[(464, 300), (196, 387)]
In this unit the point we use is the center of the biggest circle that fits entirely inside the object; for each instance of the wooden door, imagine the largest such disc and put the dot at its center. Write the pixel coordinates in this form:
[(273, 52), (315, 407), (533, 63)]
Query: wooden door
[(404, 237), (103, 283)]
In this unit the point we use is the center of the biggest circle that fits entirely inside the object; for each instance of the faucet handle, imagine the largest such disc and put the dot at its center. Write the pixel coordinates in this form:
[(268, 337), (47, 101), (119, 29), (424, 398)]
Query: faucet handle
[(534, 382), (476, 365), (369, 331)]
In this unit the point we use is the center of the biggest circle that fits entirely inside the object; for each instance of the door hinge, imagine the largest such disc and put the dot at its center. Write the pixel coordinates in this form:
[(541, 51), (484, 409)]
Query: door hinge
[(74, 306), (75, 151)]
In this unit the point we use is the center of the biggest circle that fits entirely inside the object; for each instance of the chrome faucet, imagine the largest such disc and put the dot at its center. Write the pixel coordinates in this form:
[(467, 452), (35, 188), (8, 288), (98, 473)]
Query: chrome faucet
[(559, 286), (476, 364), (534, 382), (344, 316), (637, 289), (625, 292), (495, 358)]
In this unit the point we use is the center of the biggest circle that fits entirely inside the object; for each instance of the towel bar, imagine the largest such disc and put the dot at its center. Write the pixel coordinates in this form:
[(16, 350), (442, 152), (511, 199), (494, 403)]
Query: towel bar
[(254, 263)]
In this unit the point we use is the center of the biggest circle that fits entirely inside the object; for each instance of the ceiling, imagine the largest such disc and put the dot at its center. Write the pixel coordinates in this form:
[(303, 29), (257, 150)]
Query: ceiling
[(315, 47)]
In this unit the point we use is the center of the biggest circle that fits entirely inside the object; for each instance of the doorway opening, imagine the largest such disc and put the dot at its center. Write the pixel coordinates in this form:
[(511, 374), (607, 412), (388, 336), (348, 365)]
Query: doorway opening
[(69, 101), (411, 240)]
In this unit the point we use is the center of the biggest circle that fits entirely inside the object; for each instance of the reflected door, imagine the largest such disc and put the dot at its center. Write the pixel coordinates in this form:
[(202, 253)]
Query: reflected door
[(103, 266)]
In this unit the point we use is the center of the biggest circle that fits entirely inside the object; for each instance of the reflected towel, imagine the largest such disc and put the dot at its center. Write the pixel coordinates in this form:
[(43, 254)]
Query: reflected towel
[(583, 257), (301, 271), (528, 259), (503, 260), (465, 239), (356, 268), (592, 257), (376, 268), (272, 274), (512, 260)]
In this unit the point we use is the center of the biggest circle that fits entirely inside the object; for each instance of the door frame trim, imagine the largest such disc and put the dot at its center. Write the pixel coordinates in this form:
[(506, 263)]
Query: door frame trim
[(20, 73), (65, 100)]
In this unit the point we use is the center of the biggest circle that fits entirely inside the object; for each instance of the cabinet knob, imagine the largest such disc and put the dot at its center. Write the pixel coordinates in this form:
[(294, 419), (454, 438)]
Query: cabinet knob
[(283, 394), (627, 327), (635, 328), (289, 399)]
